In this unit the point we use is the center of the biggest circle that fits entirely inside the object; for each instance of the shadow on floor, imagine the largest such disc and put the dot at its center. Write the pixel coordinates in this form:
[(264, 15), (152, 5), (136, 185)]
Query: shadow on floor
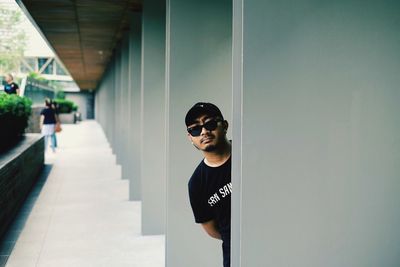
[(11, 236)]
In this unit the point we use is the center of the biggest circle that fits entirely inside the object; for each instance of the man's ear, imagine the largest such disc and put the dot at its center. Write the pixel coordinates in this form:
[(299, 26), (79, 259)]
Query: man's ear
[(226, 125), (189, 137)]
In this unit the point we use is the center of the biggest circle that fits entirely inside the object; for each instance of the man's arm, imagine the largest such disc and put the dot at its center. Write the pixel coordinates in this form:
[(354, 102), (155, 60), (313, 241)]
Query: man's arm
[(211, 229)]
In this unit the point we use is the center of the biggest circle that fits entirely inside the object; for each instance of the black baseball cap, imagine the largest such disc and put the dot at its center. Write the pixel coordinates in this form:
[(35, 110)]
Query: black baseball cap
[(202, 108)]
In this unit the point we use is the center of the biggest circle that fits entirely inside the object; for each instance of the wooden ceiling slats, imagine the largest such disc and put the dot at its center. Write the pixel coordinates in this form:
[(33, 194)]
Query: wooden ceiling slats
[(83, 33)]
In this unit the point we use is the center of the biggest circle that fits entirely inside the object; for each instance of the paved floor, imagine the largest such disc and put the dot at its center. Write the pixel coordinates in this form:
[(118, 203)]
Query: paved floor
[(81, 215)]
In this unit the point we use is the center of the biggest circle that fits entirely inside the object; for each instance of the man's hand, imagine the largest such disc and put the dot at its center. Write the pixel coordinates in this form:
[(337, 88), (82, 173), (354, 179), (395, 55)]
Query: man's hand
[(211, 229)]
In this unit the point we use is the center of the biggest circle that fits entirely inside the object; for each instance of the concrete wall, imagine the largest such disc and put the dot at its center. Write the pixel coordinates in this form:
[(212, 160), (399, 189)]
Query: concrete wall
[(19, 170), (136, 105), (199, 63), (124, 129), (84, 100), (118, 105), (317, 174), (118, 108), (315, 127), (153, 168), (131, 106), (105, 104)]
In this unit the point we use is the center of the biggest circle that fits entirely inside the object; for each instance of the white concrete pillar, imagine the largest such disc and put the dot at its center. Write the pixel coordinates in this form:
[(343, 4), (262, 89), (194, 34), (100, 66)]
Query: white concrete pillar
[(199, 63), (117, 104), (111, 105), (136, 106), (154, 117), (125, 108), (105, 101), (317, 172)]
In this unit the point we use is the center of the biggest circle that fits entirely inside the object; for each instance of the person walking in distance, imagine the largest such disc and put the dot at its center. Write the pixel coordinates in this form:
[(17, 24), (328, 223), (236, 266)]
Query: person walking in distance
[(47, 124), (210, 185)]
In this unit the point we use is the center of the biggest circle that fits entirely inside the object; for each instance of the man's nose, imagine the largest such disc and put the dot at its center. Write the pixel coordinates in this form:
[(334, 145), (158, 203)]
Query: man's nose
[(204, 130)]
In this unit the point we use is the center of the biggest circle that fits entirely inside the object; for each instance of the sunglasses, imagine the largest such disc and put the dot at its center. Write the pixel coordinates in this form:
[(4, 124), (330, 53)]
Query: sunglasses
[(210, 125)]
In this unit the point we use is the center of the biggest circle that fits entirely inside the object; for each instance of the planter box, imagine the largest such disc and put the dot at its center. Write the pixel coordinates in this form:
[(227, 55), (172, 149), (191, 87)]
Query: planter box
[(19, 169)]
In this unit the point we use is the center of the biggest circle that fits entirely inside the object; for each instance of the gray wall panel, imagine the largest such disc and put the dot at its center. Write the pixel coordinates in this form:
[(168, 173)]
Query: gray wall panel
[(111, 109), (136, 106), (154, 139), (115, 106), (125, 109), (198, 69), (83, 100), (320, 148)]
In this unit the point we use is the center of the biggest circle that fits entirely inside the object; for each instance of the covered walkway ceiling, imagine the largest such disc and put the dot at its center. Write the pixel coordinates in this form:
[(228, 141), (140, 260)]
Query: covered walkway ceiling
[(83, 33)]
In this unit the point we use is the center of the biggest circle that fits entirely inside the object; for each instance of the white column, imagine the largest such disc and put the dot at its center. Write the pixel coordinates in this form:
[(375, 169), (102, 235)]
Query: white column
[(154, 116), (319, 114), (136, 106), (105, 101), (117, 104), (111, 105), (125, 108), (199, 63)]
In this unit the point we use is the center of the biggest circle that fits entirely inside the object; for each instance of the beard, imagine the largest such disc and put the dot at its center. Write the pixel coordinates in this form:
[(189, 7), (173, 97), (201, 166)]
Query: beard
[(210, 148), (215, 146)]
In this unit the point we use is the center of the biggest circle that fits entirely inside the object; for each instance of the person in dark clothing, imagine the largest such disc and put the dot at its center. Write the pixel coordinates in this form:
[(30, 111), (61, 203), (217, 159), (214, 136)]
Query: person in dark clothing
[(210, 186), (10, 87), (47, 123)]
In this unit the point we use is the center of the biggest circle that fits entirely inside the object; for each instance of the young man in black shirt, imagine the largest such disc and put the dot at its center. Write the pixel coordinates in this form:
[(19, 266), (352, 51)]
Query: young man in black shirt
[(210, 186), (11, 87)]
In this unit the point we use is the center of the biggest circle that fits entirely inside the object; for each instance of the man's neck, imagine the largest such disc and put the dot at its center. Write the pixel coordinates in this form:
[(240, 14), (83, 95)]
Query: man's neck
[(218, 157)]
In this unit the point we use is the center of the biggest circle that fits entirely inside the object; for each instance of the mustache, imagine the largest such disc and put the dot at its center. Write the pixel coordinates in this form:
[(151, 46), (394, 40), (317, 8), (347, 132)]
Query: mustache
[(207, 136)]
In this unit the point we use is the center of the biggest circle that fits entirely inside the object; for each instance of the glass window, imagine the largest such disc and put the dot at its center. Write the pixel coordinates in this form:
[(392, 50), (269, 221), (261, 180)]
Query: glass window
[(59, 69), (42, 61), (29, 61), (49, 68)]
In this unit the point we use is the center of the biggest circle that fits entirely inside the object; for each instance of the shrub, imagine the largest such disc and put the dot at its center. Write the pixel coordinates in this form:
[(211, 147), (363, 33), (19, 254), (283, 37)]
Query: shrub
[(37, 77), (60, 94), (14, 116), (65, 106)]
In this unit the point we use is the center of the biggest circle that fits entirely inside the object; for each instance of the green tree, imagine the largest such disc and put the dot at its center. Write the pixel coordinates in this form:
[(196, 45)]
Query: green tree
[(12, 38), (37, 76), (60, 94)]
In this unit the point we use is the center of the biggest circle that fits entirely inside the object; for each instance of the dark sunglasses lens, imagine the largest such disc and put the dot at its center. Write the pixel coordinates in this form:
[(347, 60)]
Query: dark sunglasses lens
[(195, 131), (211, 125)]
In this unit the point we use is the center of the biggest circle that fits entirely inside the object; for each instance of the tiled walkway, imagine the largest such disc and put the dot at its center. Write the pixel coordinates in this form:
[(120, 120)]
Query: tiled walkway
[(82, 216)]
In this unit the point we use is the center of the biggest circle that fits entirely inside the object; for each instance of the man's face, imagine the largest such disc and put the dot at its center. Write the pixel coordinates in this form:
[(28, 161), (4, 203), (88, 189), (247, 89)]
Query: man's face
[(207, 140), (8, 78)]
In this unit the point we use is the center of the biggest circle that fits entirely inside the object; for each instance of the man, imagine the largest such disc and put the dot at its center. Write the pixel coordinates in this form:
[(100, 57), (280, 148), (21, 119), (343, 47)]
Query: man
[(210, 186), (10, 87)]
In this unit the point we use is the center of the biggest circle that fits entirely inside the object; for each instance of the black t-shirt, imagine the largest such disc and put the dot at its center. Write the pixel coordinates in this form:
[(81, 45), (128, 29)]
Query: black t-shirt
[(210, 190), (11, 88), (49, 116)]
